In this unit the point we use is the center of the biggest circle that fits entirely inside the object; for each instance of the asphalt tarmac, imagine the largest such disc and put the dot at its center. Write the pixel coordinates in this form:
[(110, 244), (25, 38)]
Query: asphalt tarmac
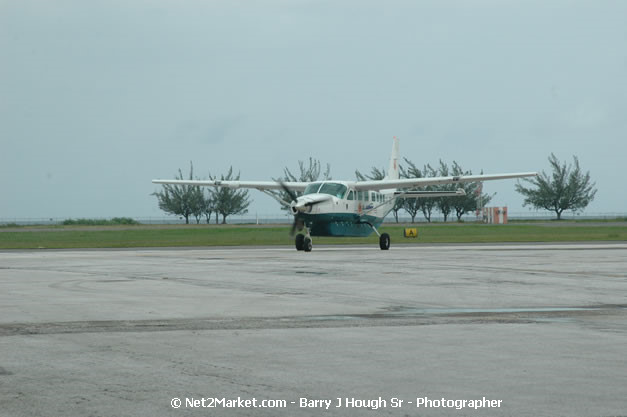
[(449, 330)]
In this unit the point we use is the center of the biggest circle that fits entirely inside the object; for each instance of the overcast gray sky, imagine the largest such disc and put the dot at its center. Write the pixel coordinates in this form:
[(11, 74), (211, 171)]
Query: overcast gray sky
[(99, 97)]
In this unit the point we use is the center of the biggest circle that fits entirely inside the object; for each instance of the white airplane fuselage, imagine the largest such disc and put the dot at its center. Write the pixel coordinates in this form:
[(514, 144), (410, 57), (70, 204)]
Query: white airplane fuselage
[(347, 212)]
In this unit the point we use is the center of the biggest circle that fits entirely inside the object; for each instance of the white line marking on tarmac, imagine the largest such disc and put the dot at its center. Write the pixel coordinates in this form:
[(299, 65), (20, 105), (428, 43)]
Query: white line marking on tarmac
[(443, 247)]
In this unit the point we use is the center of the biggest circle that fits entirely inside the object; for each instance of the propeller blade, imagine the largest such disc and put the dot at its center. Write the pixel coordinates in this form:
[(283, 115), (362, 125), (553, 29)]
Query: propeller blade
[(293, 229), (287, 190), (313, 203), (298, 224)]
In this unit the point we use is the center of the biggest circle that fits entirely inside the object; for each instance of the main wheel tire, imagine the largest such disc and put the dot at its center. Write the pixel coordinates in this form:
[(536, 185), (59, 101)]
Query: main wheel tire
[(384, 241), (308, 246), (299, 241)]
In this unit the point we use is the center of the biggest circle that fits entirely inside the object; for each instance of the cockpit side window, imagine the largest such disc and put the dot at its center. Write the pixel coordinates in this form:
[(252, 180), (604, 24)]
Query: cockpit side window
[(350, 195)]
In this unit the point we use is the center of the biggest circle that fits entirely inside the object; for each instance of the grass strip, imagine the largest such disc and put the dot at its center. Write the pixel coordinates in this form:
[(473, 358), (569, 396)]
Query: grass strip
[(203, 235)]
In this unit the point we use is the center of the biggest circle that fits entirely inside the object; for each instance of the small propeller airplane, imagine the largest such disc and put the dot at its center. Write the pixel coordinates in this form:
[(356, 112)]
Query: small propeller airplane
[(348, 208)]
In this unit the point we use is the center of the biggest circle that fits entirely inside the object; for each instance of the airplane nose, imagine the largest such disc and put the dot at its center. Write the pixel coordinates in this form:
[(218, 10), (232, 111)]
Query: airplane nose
[(305, 204), (300, 207)]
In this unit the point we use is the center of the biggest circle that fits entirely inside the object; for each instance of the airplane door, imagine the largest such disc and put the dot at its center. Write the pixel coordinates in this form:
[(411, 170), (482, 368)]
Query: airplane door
[(350, 201)]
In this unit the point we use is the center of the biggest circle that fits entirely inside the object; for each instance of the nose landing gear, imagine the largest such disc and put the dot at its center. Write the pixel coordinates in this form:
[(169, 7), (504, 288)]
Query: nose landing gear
[(300, 242), (303, 242)]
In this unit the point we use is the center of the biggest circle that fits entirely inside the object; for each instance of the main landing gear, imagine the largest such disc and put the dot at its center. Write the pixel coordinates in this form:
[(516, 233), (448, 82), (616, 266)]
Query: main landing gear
[(304, 243), (384, 239)]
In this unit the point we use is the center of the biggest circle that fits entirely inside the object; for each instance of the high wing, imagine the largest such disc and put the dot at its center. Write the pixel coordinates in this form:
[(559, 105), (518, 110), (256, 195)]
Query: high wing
[(423, 182), (258, 185)]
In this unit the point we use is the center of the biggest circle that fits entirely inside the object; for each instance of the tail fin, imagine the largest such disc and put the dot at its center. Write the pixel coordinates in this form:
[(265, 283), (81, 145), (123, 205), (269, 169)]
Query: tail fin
[(393, 170)]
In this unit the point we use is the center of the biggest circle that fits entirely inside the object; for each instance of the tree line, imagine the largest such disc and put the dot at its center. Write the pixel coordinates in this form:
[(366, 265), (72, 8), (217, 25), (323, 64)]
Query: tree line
[(192, 201), (566, 188), (447, 206)]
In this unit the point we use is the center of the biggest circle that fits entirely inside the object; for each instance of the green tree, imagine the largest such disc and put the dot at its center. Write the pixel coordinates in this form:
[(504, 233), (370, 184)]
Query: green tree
[(412, 205), (209, 204), (198, 204), (445, 204), (228, 201), (474, 191), (428, 204), (376, 174), (181, 200), (567, 188)]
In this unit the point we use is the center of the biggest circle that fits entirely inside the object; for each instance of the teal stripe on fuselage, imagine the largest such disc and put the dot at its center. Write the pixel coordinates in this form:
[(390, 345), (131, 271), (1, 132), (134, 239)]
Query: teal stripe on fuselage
[(340, 224)]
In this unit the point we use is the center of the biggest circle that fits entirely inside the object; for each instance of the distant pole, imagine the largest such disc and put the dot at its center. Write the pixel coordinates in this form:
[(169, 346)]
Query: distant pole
[(481, 196)]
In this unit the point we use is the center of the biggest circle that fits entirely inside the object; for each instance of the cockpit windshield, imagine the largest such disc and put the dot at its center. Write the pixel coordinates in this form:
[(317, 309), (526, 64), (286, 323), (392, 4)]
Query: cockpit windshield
[(334, 189), (312, 188), (331, 188)]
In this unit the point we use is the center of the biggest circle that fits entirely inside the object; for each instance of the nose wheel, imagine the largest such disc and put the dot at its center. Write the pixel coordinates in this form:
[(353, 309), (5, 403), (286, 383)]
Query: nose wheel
[(303, 242), (299, 241)]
